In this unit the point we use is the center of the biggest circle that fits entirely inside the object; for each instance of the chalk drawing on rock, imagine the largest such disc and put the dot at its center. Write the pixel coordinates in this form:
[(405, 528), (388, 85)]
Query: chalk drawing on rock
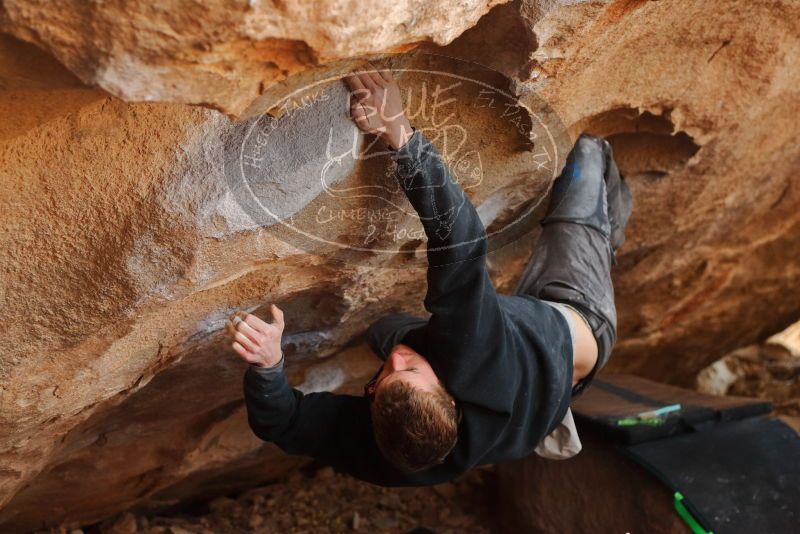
[(317, 181)]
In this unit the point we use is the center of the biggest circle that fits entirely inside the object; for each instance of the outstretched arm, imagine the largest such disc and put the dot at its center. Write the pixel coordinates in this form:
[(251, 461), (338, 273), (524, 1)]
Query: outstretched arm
[(332, 428), (466, 317)]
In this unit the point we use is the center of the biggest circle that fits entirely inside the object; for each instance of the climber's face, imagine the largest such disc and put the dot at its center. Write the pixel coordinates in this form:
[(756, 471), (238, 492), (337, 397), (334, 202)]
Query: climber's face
[(406, 364)]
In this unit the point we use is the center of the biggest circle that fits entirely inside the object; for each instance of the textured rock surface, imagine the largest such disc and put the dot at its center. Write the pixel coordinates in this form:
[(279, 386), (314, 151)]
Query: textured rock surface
[(605, 492), (223, 54), (124, 247), (769, 370), (328, 503)]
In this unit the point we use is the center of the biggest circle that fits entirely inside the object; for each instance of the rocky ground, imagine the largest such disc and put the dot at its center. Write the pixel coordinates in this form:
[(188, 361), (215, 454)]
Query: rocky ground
[(322, 501), (774, 377), (128, 238), (769, 370)]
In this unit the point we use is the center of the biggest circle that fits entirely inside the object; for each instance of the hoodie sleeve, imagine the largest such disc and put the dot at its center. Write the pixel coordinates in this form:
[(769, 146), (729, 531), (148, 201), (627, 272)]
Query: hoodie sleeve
[(329, 427), (466, 323), (333, 429)]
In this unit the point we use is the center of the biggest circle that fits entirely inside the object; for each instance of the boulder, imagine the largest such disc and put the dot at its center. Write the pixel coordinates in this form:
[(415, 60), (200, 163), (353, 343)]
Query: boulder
[(128, 236), (224, 55), (599, 490)]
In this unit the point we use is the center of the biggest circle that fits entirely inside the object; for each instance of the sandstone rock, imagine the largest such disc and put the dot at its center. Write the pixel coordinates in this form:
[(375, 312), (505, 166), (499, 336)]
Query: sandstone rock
[(126, 245), (325, 473), (224, 55), (770, 370), (599, 490), (255, 521), (726, 284), (789, 339), (125, 524), (446, 490)]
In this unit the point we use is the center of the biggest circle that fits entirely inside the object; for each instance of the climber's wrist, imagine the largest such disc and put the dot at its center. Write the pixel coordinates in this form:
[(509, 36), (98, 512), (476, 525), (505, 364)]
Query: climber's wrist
[(269, 366), (397, 134), (269, 357)]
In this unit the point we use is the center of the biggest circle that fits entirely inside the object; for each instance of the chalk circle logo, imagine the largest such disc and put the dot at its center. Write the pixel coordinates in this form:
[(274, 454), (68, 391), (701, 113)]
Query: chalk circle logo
[(305, 170)]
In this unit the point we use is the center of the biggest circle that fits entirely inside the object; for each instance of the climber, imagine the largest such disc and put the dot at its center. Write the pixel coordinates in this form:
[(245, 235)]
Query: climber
[(486, 378)]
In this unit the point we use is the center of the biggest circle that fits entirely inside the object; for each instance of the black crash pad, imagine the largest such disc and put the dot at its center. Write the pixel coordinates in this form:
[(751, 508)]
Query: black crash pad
[(737, 477), (731, 470), (615, 399)]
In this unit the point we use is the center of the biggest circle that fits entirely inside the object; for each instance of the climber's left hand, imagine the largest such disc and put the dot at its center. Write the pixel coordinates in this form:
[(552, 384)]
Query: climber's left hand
[(255, 341)]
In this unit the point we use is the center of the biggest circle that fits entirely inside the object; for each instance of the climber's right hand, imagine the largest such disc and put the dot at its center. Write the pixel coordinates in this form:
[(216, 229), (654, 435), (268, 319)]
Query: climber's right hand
[(255, 341), (376, 106)]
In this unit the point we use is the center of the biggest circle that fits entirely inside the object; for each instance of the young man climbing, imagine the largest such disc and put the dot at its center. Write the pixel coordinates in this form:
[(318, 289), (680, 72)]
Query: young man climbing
[(486, 378)]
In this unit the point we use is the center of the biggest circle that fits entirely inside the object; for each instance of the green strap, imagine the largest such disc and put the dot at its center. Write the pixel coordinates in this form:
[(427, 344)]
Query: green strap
[(687, 516)]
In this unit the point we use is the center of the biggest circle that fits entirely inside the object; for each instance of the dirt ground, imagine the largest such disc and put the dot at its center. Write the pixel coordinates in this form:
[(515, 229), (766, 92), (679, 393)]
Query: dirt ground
[(766, 371), (322, 501)]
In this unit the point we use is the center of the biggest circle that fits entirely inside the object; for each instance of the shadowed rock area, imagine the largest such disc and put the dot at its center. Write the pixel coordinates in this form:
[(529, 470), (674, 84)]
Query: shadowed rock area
[(128, 237), (324, 501)]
